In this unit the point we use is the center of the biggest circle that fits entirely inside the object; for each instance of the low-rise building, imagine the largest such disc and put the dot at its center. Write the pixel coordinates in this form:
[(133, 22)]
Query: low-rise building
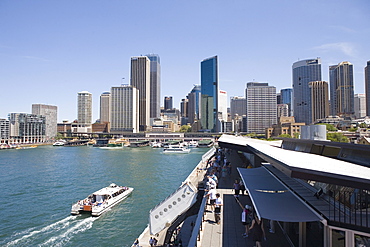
[(286, 125), (27, 128)]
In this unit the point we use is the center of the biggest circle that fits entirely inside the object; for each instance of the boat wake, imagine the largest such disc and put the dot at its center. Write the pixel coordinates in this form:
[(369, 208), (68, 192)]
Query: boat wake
[(55, 234)]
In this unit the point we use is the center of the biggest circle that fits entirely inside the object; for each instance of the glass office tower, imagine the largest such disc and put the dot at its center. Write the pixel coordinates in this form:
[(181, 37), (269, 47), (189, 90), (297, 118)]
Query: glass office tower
[(367, 88), (155, 85), (286, 96), (194, 104), (304, 72), (209, 94)]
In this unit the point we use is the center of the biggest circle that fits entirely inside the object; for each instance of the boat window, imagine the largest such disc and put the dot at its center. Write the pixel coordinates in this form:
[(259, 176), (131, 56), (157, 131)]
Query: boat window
[(100, 198)]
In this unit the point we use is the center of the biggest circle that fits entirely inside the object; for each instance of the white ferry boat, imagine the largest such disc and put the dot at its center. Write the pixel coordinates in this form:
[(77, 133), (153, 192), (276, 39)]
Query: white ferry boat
[(180, 150), (59, 143), (101, 200)]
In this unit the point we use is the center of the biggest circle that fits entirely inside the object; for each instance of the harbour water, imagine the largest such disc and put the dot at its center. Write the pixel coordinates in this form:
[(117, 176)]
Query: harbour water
[(39, 185)]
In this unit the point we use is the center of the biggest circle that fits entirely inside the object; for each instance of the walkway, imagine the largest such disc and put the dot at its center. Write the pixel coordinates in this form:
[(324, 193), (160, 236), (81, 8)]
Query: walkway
[(229, 232)]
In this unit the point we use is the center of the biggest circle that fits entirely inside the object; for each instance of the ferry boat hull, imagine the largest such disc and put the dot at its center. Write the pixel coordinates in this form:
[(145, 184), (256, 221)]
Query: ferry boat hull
[(102, 200)]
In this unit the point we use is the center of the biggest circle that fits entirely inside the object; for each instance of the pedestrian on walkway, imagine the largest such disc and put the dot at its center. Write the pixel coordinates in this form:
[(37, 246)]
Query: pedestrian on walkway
[(236, 188), (212, 197), (246, 217), (258, 231), (218, 204)]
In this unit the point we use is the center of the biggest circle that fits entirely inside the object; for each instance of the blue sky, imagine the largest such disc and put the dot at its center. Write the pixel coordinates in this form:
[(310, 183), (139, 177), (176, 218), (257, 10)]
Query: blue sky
[(51, 50)]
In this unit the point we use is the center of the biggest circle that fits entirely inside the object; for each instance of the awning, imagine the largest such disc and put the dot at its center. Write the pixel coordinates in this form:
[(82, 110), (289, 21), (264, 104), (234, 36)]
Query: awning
[(272, 200)]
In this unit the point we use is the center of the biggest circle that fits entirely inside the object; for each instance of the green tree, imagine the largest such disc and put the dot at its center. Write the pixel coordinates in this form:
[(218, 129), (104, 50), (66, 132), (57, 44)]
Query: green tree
[(185, 128), (296, 135), (337, 137), (329, 127), (285, 136), (363, 125)]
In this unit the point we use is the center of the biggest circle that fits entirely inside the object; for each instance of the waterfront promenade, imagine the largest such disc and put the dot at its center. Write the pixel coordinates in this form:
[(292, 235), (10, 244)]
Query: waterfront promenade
[(229, 232)]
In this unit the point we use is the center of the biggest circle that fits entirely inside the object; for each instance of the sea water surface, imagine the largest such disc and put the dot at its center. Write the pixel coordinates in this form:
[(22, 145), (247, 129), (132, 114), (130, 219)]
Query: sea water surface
[(39, 185)]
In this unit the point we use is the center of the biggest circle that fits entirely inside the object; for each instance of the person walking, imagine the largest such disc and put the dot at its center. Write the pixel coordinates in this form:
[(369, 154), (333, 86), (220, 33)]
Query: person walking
[(258, 231), (218, 204)]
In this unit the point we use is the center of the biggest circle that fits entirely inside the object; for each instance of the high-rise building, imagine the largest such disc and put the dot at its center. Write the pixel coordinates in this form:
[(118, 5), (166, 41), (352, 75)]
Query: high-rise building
[(184, 109), (155, 85), (140, 79), (209, 94), (238, 105), (304, 71), (50, 112), (105, 107), (222, 104), (367, 88), (360, 105), (194, 104), (342, 89), (125, 109), (84, 107), (168, 103), (319, 100), (261, 107), (4, 130), (282, 111), (286, 95), (27, 128)]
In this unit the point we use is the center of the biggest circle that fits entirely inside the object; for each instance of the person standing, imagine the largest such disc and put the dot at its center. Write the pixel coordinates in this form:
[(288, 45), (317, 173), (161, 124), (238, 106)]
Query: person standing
[(212, 197), (258, 231), (236, 188), (218, 204)]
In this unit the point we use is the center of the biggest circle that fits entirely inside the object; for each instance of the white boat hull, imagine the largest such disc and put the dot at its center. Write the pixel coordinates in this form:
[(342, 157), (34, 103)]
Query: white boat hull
[(97, 210)]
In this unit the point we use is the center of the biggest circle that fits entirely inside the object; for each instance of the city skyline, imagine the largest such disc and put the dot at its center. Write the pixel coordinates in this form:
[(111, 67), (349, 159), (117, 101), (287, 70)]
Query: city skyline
[(54, 58)]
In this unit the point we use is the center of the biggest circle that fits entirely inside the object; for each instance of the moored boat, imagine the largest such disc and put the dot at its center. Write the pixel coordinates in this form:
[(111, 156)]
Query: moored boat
[(59, 143), (101, 200), (179, 150)]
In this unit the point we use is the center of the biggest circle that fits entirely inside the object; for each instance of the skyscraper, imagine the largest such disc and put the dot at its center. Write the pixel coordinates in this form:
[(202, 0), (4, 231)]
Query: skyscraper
[(84, 103), (140, 79), (341, 89), (360, 105), (222, 104), (319, 100), (168, 103), (124, 109), (304, 71), (105, 107), (367, 88), (155, 85), (209, 94), (194, 104), (286, 96), (50, 112), (261, 107), (238, 105)]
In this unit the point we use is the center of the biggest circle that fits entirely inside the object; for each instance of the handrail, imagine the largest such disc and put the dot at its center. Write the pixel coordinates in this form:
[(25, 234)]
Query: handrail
[(198, 224)]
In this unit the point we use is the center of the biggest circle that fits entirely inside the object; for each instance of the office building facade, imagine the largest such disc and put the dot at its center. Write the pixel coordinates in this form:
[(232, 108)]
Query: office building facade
[(168, 103), (261, 107), (341, 89), (194, 98), (238, 106), (367, 88), (4, 130), (319, 100), (140, 79), (84, 104), (222, 105), (105, 107), (286, 96), (209, 94), (304, 72), (125, 110), (50, 112), (360, 105), (155, 85), (27, 128)]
